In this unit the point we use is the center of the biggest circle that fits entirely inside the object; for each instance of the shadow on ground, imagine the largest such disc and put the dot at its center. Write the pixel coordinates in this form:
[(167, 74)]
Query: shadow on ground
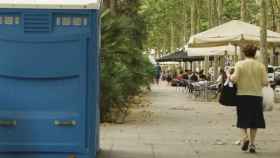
[(123, 154)]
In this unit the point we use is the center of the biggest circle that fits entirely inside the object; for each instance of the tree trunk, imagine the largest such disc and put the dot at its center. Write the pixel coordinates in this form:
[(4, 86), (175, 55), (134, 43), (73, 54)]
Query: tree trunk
[(273, 11), (194, 23), (194, 17), (243, 10), (213, 21), (274, 28), (185, 22), (243, 16), (206, 65), (263, 43), (111, 4), (220, 11), (214, 13), (210, 14), (172, 47), (198, 3), (210, 24), (276, 4), (113, 7), (106, 3)]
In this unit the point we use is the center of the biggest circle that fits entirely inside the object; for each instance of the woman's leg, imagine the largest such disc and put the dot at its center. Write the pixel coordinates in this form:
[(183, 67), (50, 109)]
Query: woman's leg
[(253, 133), (244, 134), (252, 147), (245, 139)]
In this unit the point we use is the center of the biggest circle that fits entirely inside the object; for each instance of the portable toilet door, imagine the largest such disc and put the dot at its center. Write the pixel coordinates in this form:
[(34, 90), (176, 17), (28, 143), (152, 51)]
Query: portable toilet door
[(49, 78)]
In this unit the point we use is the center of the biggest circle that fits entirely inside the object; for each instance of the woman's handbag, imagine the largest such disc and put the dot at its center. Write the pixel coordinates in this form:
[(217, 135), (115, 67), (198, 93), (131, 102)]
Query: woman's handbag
[(228, 94)]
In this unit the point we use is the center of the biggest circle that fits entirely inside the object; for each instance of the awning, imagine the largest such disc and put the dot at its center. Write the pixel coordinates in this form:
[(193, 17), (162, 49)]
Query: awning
[(213, 51), (235, 32), (180, 56)]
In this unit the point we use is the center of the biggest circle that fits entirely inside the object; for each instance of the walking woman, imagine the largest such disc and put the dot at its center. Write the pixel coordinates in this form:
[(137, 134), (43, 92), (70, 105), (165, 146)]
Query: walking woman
[(250, 77)]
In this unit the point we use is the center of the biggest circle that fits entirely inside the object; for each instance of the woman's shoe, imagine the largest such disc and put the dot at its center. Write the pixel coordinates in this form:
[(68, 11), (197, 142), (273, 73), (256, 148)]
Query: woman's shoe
[(252, 148), (245, 145)]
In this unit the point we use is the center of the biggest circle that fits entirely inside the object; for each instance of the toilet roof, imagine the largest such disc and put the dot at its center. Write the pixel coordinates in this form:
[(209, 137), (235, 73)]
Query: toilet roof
[(51, 4)]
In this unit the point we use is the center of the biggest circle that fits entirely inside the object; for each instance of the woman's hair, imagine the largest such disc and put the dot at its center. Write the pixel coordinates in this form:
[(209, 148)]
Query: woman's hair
[(249, 50)]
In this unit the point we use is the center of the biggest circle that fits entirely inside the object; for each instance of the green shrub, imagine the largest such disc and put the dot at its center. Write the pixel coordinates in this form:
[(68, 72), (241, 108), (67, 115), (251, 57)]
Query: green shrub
[(125, 70)]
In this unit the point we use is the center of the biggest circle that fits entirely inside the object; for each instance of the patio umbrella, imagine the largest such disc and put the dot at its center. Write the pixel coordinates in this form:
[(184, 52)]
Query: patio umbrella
[(235, 32)]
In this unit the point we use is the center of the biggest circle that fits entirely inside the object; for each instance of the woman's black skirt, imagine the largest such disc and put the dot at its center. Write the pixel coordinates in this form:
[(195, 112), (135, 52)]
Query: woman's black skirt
[(250, 112)]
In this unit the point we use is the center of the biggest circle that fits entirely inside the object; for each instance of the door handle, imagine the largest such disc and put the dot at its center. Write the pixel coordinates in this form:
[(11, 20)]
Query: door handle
[(68, 123), (8, 123)]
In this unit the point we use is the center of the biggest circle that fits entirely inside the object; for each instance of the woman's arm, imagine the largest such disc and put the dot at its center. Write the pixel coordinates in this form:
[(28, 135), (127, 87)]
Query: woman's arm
[(235, 76)]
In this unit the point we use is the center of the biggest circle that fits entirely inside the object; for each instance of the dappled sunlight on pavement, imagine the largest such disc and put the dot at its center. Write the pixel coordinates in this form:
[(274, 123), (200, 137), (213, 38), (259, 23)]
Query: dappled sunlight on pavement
[(178, 126)]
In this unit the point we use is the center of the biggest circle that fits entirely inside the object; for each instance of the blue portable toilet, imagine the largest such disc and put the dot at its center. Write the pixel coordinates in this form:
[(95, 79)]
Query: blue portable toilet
[(49, 78)]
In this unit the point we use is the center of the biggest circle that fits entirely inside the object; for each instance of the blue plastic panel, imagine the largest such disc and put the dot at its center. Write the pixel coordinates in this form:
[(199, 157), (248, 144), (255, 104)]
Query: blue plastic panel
[(49, 71), (48, 80), (41, 59)]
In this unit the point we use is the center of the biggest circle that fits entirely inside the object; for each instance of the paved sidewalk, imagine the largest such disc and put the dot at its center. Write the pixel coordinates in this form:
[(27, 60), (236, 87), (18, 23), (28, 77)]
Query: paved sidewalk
[(175, 126)]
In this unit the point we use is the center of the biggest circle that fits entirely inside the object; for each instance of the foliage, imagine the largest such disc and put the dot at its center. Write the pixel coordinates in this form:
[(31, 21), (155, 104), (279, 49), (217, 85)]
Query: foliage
[(159, 14), (232, 10), (124, 67)]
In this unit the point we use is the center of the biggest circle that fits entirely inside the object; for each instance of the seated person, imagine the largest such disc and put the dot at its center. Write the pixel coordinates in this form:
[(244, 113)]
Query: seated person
[(202, 76), (186, 75), (203, 80), (194, 77), (180, 76)]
